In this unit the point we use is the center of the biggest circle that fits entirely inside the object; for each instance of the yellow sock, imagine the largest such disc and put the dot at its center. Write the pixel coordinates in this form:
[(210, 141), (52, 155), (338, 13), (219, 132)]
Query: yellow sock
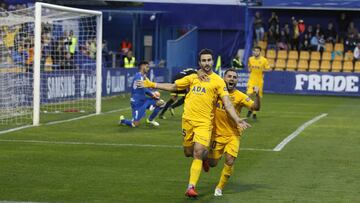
[(225, 175), (254, 112), (195, 171)]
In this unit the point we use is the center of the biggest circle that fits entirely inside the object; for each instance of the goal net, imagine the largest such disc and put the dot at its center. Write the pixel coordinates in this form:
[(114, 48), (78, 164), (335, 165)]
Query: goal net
[(50, 64)]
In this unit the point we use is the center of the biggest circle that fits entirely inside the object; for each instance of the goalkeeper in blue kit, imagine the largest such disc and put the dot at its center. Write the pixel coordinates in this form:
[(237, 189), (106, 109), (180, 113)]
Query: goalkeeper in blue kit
[(142, 99)]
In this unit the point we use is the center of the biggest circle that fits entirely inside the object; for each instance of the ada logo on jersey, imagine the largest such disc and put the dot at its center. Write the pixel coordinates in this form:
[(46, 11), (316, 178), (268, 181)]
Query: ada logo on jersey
[(327, 83), (198, 90)]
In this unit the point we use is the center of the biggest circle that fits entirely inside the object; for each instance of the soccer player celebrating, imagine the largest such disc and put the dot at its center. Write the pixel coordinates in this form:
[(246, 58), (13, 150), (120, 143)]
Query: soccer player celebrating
[(226, 136), (174, 95), (257, 65), (142, 99), (198, 113)]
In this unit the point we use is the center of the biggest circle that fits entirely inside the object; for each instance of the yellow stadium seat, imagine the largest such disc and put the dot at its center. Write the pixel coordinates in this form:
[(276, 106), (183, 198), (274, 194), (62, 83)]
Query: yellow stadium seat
[(293, 54), (339, 47), (262, 44), (329, 47), (271, 63), (326, 56), (304, 55), (303, 65), (282, 54), (48, 64), (280, 64), (349, 56), (357, 67), (348, 66), (315, 55), (338, 57), (314, 65), (325, 66), (291, 65), (336, 66), (270, 54)]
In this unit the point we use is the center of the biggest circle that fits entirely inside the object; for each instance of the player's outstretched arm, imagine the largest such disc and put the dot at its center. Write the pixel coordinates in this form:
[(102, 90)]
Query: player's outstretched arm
[(163, 86), (241, 123)]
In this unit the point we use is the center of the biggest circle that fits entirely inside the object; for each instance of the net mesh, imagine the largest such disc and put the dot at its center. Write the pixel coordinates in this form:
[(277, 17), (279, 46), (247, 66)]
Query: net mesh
[(68, 65)]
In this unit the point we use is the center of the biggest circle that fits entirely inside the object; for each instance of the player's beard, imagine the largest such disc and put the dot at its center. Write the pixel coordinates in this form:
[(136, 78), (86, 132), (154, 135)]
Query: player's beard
[(230, 86), (207, 68)]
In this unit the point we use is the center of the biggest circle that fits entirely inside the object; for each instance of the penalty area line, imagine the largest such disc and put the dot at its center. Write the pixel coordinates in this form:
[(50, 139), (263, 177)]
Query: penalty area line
[(112, 144), (283, 143), (62, 121)]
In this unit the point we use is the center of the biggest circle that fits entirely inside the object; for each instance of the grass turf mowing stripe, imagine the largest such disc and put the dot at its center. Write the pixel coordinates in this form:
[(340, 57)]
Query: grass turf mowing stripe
[(112, 144)]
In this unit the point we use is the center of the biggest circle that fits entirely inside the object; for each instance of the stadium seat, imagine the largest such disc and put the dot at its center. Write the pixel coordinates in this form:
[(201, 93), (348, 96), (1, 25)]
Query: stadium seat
[(326, 55), (329, 47), (325, 66), (291, 65), (348, 66), (349, 56), (357, 67), (293, 54), (48, 64), (282, 54), (270, 54), (304, 55), (262, 44), (280, 64), (315, 55), (271, 63), (338, 57), (262, 52), (303, 65), (336, 66), (314, 66), (339, 47)]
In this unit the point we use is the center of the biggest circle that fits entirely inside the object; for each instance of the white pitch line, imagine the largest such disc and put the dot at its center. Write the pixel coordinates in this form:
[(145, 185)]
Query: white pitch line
[(112, 144), (62, 121), (282, 144)]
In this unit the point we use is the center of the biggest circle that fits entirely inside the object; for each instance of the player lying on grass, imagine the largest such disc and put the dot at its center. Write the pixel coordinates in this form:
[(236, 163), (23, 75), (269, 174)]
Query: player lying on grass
[(226, 135)]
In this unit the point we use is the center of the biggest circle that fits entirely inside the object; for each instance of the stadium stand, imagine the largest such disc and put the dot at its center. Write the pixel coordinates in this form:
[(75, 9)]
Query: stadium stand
[(325, 66)]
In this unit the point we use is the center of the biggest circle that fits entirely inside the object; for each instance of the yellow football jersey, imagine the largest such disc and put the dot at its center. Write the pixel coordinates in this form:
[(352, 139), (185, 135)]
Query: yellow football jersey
[(201, 99), (223, 123), (257, 67)]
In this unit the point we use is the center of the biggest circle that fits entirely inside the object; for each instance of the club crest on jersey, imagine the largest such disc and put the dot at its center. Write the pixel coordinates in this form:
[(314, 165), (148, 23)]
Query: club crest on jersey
[(198, 90)]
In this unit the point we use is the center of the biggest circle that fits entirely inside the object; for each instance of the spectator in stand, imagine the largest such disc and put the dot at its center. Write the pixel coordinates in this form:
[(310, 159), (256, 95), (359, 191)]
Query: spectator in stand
[(284, 41), (272, 40), (309, 32), (319, 30), (129, 60), (301, 26), (314, 42), (258, 26), (126, 45), (352, 29), (350, 42), (330, 34), (273, 20), (343, 26), (306, 45), (321, 44), (357, 52), (295, 34)]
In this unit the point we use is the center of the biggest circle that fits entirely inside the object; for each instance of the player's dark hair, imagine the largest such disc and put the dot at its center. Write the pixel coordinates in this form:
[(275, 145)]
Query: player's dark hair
[(257, 47), (205, 51), (143, 63), (230, 70)]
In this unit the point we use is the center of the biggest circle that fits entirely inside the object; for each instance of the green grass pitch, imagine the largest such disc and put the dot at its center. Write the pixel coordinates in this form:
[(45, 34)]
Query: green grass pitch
[(95, 160)]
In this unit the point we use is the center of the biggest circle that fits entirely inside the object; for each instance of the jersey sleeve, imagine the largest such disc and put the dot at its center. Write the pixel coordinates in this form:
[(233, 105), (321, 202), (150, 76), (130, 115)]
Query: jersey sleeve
[(222, 89), (184, 82), (246, 101), (266, 64)]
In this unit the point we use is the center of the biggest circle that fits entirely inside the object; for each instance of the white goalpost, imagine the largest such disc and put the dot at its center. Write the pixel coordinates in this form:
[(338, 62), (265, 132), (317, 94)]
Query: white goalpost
[(50, 64)]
